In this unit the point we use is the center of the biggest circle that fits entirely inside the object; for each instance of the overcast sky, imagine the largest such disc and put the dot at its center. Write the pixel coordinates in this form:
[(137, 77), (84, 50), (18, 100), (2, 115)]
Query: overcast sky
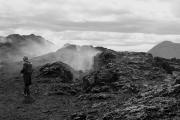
[(134, 25)]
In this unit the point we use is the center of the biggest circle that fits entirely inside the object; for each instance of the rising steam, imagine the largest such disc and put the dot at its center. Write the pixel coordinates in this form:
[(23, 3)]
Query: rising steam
[(14, 47), (78, 57)]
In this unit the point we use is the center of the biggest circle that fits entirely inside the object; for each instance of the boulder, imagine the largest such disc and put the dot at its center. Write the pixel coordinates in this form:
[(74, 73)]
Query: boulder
[(56, 70)]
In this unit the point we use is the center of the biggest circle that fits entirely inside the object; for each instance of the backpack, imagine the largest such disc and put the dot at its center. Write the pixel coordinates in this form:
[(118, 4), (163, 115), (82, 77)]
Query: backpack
[(29, 68)]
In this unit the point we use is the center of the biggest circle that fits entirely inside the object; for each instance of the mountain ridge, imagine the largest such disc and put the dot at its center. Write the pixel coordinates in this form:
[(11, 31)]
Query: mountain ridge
[(13, 47), (166, 49)]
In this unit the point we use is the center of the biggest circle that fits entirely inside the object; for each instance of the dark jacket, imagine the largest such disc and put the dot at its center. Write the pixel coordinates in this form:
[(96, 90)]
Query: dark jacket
[(27, 72)]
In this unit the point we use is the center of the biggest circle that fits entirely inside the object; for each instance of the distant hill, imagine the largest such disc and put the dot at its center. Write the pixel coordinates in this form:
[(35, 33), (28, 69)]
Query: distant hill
[(166, 49), (14, 47)]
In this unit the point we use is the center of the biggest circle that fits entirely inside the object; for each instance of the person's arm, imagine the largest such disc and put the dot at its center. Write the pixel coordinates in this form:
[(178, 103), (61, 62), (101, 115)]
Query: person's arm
[(23, 69)]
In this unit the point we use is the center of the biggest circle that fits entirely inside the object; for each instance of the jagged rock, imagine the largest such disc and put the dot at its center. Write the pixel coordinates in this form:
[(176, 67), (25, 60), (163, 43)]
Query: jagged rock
[(78, 116), (62, 89), (155, 109), (56, 70), (107, 56), (99, 89), (160, 62), (90, 115), (97, 96), (177, 80), (148, 81)]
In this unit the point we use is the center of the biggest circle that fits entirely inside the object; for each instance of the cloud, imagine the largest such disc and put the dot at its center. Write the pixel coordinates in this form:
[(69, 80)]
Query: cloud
[(151, 16), (111, 23)]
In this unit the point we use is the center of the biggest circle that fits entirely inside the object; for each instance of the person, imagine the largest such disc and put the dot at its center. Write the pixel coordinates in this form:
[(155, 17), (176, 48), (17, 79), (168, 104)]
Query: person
[(26, 73)]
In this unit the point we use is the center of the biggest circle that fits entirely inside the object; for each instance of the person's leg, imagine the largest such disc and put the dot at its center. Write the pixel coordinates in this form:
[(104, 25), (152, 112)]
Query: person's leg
[(24, 78), (29, 83), (25, 90), (28, 91)]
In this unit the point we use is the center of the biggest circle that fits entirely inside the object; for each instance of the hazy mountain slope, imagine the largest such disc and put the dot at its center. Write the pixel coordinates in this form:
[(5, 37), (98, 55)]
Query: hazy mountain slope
[(15, 46), (78, 57), (166, 49)]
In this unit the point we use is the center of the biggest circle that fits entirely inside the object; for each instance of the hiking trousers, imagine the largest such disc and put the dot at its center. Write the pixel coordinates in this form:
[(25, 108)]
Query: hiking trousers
[(26, 90), (27, 83)]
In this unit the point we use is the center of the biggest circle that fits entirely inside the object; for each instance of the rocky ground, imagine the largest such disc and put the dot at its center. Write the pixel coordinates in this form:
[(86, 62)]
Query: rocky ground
[(122, 86)]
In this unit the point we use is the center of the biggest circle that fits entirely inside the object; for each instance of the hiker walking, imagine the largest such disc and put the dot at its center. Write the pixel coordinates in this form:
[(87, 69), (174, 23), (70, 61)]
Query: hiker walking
[(26, 73)]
